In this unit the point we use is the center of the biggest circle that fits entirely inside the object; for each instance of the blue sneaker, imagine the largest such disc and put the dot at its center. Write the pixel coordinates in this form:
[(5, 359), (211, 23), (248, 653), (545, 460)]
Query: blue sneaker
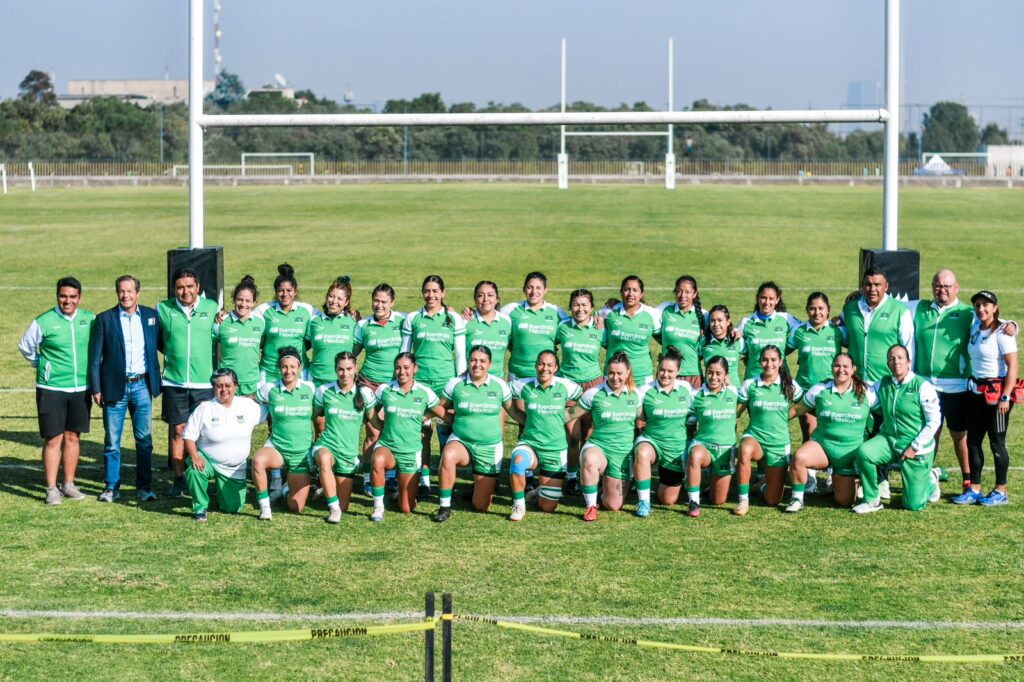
[(367, 489), (199, 516), (643, 508), (969, 496), (994, 499)]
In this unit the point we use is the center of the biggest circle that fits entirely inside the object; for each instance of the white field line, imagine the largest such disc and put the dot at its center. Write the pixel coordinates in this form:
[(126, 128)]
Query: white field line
[(245, 616)]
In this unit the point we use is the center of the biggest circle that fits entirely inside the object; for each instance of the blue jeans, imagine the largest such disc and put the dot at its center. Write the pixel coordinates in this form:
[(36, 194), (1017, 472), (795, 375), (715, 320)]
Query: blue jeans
[(137, 402)]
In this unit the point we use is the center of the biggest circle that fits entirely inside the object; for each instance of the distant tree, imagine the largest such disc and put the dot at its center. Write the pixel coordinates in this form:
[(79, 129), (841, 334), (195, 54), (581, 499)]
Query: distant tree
[(229, 90), (949, 128), (993, 134), (38, 87)]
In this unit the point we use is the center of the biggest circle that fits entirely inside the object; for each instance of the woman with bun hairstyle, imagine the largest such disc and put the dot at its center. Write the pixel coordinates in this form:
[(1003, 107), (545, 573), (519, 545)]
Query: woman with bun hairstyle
[(683, 325), (286, 320), (239, 335), (630, 326)]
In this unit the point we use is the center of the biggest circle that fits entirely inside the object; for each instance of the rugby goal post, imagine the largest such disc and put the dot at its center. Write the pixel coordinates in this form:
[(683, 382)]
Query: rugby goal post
[(279, 155), (889, 116)]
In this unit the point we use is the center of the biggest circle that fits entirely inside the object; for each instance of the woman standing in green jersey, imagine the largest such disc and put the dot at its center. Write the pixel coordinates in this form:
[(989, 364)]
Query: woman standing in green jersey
[(239, 335), (399, 408), (477, 400), (344, 406), (290, 401), (436, 335), (286, 319), (380, 338), (664, 407), (768, 325), (843, 408), (542, 446), (488, 326), (331, 330), (534, 326), (720, 342), (816, 342), (614, 407), (630, 326), (683, 325), (714, 444), (769, 399), (581, 339)]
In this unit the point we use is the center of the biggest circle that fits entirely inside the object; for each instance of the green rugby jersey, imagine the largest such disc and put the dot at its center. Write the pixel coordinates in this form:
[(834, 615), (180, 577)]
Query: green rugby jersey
[(282, 330), (870, 334), (477, 408), (614, 416), (941, 337), (768, 408), (684, 331), (842, 417), (239, 342), (664, 413), (716, 415), (815, 351), (187, 342), (58, 347), (760, 332), (730, 349), (494, 335), (581, 350), (381, 344), (533, 331), (342, 420), (910, 412), (292, 413), (632, 335), (439, 343), (545, 411), (326, 336), (403, 415)]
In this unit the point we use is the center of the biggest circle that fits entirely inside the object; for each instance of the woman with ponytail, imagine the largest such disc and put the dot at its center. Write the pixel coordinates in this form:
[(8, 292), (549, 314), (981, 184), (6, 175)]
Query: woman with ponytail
[(331, 330), (683, 325)]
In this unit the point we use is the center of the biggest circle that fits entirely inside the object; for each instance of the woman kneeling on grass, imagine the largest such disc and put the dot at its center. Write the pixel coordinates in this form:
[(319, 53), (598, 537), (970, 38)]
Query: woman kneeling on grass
[(665, 404), (843, 408), (770, 400), (399, 411), (542, 401), (344, 406), (477, 399), (714, 444), (289, 403), (614, 407)]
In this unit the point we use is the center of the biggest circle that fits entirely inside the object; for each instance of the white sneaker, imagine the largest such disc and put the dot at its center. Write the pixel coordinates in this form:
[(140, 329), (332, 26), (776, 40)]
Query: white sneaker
[(794, 506), (883, 491), (936, 492), (265, 514), (518, 512), (812, 484), (334, 516), (868, 507)]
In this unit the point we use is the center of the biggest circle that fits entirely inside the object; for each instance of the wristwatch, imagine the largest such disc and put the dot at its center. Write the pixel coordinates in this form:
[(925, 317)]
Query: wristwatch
[(1004, 398)]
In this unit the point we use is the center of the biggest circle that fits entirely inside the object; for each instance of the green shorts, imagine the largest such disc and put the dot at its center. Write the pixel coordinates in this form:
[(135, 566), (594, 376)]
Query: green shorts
[(672, 461), (248, 388), (405, 462), (841, 456), (620, 463), (486, 459), (294, 462), (774, 455), (341, 466), (723, 457), (550, 463)]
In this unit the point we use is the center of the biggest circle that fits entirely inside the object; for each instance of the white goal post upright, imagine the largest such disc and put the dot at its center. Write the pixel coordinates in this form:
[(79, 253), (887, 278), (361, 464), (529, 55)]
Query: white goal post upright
[(278, 155), (889, 116)]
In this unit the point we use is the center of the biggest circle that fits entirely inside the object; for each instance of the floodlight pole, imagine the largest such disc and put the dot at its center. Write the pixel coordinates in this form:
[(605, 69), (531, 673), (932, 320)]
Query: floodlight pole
[(891, 165), (195, 130), (563, 159), (670, 157)]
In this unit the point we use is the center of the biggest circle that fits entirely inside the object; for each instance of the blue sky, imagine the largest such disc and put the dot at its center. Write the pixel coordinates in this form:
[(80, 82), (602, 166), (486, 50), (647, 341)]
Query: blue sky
[(777, 53)]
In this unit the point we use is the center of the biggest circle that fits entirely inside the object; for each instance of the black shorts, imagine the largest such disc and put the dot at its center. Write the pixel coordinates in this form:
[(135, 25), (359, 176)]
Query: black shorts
[(60, 412), (954, 409), (180, 403), (669, 478)]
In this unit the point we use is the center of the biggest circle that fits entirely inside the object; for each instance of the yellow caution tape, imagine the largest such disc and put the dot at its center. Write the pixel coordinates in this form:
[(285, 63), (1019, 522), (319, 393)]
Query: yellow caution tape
[(227, 637), (650, 644)]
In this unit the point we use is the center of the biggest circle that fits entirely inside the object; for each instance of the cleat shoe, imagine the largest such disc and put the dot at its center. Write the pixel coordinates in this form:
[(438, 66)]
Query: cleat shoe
[(868, 507), (71, 491), (828, 485), (53, 496), (518, 512), (423, 493), (590, 514), (794, 506), (936, 492), (177, 488), (199, 516), (377, 516), (278, 494), (693, 510), (467, 494), (969, 496), (334, 516), (643, 508), (532, 495), (573, 489), (994, 499), (884, 493), (367, 489), (441, 515), (145, 495), (109, 495), (266, 515), (742, 508), (812, 485)]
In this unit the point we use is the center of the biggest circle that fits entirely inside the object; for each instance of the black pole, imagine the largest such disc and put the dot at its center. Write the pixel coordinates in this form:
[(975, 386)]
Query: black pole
[(428, 642), (446, 637)]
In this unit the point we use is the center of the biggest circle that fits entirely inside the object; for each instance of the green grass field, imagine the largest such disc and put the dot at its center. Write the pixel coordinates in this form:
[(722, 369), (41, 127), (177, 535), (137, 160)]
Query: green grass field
[(946, 565)]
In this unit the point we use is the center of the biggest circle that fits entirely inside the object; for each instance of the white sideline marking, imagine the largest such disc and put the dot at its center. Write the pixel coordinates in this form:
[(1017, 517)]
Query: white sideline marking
[(550, 620)]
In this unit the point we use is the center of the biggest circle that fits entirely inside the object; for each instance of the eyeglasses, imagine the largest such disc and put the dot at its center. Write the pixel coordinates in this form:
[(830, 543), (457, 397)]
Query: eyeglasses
[(943, 287)]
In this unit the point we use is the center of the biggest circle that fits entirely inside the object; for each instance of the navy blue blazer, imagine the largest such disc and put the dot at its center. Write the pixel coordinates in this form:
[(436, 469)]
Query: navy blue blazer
[(106, 354)]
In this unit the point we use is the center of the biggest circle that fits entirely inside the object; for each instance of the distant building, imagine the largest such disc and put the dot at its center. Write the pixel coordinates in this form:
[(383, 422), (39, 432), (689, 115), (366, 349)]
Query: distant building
[(1004, 160), (141, 92), (271, 91)]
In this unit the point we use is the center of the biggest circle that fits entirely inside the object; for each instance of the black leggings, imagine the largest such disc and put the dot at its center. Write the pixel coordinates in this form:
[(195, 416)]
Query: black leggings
[(983, 419)]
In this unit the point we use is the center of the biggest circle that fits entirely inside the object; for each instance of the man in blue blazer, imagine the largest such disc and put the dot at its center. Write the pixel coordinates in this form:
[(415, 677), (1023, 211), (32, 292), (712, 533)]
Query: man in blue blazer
[(124, 377)]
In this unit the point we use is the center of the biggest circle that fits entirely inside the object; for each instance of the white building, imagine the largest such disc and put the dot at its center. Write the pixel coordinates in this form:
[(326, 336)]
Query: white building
[(141, 92)]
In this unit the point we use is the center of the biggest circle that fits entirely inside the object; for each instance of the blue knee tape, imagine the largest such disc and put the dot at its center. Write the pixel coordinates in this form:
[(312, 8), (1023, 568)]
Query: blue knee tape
[(521, 460)]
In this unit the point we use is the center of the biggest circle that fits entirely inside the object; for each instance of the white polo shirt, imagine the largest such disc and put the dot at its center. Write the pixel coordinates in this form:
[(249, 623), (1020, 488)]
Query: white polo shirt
[(224, 434)]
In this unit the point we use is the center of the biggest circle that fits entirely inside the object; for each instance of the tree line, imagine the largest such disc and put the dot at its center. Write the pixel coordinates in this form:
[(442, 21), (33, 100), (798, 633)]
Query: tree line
[(34, 127)]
